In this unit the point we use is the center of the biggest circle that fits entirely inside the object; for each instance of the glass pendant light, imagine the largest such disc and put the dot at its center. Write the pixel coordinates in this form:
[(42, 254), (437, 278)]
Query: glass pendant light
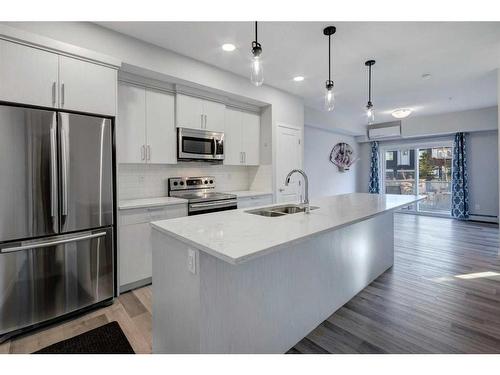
[(370, 111), (257, 74), (329, 94)]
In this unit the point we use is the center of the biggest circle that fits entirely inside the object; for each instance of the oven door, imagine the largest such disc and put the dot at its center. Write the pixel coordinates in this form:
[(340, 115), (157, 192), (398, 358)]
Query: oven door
[(199, 145), (212, 206)]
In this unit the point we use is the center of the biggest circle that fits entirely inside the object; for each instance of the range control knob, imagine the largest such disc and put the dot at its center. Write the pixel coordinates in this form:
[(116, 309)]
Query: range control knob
[(176, 183), (182, 183), (211, 181), (206, 182)]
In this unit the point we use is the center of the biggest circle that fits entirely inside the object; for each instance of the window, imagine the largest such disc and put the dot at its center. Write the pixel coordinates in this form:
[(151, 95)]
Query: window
[(420, 170)]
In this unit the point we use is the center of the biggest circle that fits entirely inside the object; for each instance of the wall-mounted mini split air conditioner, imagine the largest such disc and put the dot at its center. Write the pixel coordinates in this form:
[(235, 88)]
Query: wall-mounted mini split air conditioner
[(386, 130)]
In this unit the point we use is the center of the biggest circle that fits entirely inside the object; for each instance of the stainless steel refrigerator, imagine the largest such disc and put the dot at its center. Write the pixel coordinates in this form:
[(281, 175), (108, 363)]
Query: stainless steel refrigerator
[(56, 215)]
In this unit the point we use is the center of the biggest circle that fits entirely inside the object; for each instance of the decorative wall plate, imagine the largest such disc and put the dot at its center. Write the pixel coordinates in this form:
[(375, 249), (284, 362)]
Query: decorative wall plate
[(342, 155)]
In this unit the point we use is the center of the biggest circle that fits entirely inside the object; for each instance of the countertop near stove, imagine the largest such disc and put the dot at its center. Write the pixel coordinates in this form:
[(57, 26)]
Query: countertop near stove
[(149, 202), (249, 193), (236, 236)]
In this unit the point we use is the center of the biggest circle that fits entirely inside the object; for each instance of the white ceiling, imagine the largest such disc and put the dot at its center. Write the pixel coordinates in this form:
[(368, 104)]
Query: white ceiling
[(461, 56)]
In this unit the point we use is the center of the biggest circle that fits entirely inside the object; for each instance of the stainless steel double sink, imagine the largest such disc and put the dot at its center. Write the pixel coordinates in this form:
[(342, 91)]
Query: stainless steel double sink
[(278, 211)]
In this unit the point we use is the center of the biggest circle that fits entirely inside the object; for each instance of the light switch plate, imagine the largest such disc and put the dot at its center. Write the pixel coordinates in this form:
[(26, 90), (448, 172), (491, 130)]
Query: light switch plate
[(192, 261)]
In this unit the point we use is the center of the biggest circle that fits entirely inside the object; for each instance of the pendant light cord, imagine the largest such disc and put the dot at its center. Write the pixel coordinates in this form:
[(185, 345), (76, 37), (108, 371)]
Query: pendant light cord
[(370, 84), (329, 59), (256, 32)]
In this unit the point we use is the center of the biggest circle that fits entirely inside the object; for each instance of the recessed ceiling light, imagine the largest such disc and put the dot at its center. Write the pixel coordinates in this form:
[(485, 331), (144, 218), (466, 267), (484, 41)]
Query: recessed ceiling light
[(426, 76), (228, 47), (401, 113), (298, 79)]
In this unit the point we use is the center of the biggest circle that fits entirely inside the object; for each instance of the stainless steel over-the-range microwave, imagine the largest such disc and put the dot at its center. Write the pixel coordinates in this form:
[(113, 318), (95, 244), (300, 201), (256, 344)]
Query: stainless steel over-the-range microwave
[(193, 144)]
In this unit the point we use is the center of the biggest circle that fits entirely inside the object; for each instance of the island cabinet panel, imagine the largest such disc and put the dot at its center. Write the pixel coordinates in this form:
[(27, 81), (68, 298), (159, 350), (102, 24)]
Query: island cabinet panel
[(266, 304), (134, 243)]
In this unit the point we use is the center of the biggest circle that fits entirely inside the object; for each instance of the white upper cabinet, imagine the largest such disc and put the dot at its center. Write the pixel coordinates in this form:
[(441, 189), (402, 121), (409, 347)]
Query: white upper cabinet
[(87, 87), (131, 124), (146, 131), (189, 112), (195, 113), (251, 138), (241, 138), (160, 128), (33, 76), (232, 137), (214, 115), (28, 75)]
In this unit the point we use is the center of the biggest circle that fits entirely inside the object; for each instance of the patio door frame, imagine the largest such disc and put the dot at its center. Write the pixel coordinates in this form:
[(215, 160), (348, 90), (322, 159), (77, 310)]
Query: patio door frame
[(399, 146)]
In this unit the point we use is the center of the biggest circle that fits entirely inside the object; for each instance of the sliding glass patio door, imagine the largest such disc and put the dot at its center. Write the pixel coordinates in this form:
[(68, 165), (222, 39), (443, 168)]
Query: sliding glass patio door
[(420, 169)]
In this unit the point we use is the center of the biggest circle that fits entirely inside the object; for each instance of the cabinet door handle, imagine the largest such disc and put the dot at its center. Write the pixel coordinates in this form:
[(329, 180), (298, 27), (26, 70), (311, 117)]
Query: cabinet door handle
[(143, 152), (149, 152), (62, 94), (205, 121), (54, 86), (244, 157), (201, 121)]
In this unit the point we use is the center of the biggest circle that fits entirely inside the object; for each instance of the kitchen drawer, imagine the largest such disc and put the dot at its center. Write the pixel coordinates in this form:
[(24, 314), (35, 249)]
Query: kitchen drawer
[(259, 200), (146, 215)]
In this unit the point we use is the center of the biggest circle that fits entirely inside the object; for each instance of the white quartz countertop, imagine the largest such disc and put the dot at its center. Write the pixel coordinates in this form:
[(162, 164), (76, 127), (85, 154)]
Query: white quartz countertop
[(249, 193), (149, 202), (236, 236)]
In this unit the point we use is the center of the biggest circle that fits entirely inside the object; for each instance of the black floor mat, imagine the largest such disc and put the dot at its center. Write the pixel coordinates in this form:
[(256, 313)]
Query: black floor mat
[(106, 339)]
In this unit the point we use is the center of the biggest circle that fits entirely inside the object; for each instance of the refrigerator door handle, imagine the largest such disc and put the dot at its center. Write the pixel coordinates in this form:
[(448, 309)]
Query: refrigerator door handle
[(53, 170), (45, 243), (64, 162)]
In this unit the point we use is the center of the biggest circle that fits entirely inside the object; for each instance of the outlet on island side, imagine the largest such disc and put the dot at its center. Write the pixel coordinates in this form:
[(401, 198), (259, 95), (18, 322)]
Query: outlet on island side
[(192, 261)]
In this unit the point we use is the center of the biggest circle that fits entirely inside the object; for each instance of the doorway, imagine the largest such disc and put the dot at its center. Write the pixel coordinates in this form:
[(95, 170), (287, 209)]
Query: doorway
[(288, 157)]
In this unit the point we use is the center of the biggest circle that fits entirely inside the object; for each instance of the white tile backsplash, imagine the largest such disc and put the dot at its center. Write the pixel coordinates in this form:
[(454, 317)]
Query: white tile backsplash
[(150, 180)]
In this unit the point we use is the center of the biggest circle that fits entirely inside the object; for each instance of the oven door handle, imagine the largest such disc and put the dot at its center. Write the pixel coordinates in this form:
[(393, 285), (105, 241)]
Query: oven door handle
[(214, 203)]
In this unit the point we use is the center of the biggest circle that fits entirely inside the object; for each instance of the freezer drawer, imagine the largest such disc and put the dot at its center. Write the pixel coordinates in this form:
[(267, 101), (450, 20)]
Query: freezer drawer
[(28, 173), (44, 279), (86, 185)]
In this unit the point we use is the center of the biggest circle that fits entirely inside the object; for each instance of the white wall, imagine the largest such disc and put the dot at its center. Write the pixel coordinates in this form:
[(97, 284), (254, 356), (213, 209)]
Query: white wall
[(482, 166), (324, 177)]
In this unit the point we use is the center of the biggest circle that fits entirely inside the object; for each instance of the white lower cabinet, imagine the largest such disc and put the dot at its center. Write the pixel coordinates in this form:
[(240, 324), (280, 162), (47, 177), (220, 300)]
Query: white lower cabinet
[(134, 243), (254, 201)]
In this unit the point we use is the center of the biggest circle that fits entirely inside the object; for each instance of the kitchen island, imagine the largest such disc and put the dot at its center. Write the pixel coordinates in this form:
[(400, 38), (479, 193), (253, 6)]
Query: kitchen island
[(237, 282)]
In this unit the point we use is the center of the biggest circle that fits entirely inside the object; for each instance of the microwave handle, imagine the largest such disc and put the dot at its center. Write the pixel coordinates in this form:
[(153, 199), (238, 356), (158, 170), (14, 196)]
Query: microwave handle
[(215, 146)]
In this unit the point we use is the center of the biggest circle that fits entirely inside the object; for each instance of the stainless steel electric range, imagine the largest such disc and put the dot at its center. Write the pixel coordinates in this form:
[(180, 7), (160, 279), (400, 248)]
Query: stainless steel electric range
[(201, 195)]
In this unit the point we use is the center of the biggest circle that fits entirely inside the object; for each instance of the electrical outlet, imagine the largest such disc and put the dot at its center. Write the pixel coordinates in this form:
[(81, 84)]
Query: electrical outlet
[(192, 261)]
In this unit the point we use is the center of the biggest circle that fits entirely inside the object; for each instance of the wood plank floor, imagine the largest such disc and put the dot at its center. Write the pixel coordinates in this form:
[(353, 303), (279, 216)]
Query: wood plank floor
[(441, 296)]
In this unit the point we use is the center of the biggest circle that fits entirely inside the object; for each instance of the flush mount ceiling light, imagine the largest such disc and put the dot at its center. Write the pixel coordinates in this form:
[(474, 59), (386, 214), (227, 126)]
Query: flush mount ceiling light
[(329, 95), (401, 113), (228, 47), (257, 74), (426, 76), (298, 79), (370, 111)]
